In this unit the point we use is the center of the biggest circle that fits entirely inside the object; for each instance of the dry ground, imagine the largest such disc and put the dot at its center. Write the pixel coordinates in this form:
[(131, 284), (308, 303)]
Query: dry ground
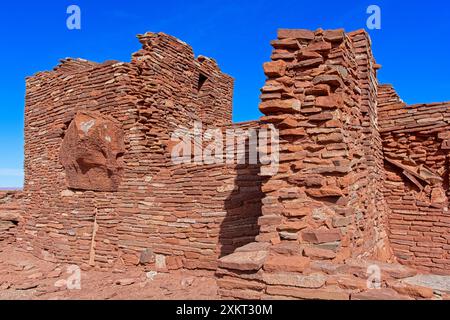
[(23, 276)]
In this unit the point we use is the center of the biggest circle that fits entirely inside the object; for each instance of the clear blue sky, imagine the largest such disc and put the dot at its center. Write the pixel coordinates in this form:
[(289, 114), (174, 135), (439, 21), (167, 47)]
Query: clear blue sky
[(413, 45)]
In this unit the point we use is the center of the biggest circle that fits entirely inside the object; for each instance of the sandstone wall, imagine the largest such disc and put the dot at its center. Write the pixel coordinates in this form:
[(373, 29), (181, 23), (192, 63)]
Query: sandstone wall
[(10, 214), (172, 215), (102, 187), (325, 205), (331, 158), (416, 145)]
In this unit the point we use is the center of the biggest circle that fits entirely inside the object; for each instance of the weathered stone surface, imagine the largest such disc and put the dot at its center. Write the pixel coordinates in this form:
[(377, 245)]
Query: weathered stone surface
[(321, 236), (411, 290), (379, 294), (147, 256), (329, 198), (296, 34), (275, 68), (288, 106), (434, 282), (329, 102), (286, 263), (320, 254), (92, 152), (334, 35), (244, 261), (309, 294), (313, 281)]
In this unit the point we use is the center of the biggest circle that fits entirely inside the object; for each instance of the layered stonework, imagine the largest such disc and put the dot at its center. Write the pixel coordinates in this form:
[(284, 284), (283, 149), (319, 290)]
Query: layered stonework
[(101, 187), (361, 184), (325, 205), (416, 149), (10, 214)]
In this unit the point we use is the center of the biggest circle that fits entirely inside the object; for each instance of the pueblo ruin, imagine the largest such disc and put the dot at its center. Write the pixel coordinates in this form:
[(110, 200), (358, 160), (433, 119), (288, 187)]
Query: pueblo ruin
[(362, 184)]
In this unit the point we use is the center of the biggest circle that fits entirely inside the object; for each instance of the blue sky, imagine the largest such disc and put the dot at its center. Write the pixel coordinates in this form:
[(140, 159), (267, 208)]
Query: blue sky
[(413, 45)]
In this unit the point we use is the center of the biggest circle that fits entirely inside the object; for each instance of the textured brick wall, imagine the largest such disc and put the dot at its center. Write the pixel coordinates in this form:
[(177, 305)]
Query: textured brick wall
[(320, 95), (415, 146), (10, 214), (189, 214), (325, 206), (356, 165)]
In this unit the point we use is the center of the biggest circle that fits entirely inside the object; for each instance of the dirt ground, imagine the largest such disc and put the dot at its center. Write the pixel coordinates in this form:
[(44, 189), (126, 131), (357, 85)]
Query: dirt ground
[(24, 277)]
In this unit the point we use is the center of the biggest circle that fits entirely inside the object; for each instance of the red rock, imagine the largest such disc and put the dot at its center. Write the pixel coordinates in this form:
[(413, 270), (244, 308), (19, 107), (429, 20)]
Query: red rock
[(298, 132), (228, 283), (125, 282), (309, 294), (411, 290), (351, 282), (318, 90), (320, 254), (319, 46), (10, 216), (306, 54), (313, 281), (329, 102), (321, 236), (292, 226), (244, 261), (310, 63), (92, 151), (331, 80), (275, 68), (295, 34), (330, 138), (293, 211), (285, 44), (286, 263), (254, 246), (287, 106), (379, 294), (334, 35), (325, 192)]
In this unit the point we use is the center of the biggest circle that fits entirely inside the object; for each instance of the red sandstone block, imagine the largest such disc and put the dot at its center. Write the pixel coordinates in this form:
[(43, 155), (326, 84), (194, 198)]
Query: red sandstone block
[(240, 294), (351, 282), (306, 54), (295, 34), (245, 261), (411, 290), (319, 254), (229, 283), (275, 69), (380, 294), (321, 46), (334, 35), (325, 192), (286, 263), (274, 106), (309, 294), (295, 211), (321, 236), (332, 80), (312, 281)]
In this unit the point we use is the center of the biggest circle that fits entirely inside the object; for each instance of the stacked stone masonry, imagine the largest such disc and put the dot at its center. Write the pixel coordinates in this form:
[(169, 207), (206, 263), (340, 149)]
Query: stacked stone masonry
[(416, 143), (362, 178), (10, 214)]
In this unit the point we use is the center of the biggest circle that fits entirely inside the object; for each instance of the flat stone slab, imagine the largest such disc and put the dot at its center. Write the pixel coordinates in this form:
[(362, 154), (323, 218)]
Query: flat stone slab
[(244, 261), (435, 282)]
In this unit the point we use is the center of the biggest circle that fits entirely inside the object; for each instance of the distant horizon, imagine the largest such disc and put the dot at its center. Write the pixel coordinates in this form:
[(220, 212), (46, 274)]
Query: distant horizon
[(10, 188)]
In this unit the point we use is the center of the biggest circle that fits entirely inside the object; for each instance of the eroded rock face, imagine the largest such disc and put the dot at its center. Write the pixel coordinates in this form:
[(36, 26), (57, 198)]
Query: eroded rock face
[(92, 152)]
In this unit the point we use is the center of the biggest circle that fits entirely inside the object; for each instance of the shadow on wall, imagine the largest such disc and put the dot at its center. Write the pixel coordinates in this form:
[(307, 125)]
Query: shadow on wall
[(243, 208)]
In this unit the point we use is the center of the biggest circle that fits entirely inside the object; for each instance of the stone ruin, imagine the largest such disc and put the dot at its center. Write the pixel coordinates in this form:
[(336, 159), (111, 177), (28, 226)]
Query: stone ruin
[(363, 178)]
